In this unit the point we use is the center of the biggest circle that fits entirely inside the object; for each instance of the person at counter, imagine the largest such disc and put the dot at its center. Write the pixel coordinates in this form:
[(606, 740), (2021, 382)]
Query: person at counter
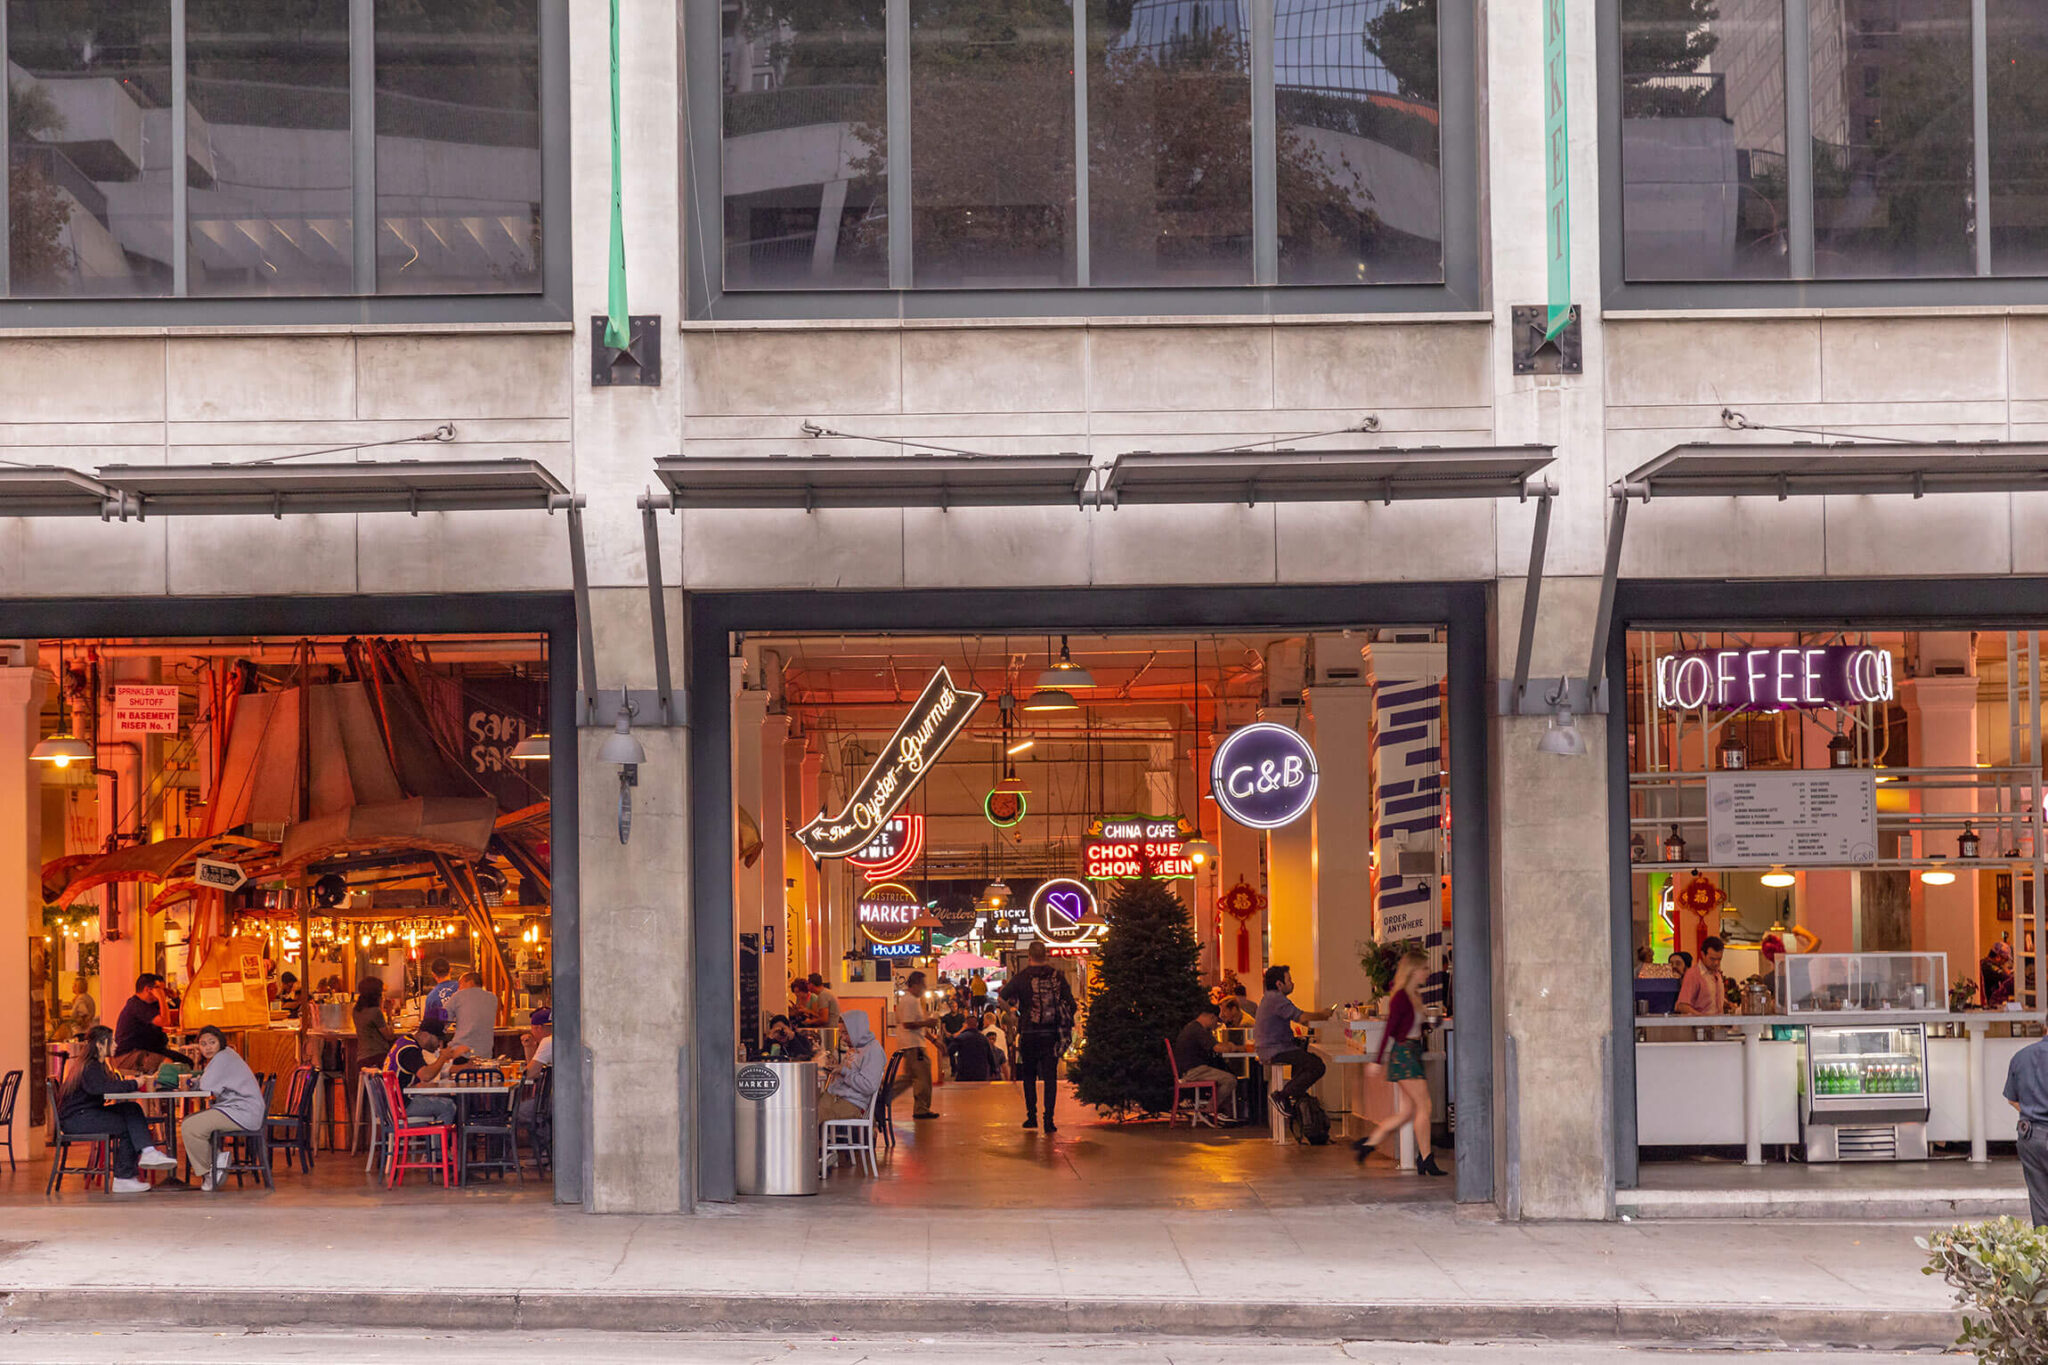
[(1997, 971), (1274, 1041), (1194, 1051), (420, 1060), (287, 993), (1782, 938), (850, 1092), (785, 1043), (139, 1040), (374, 1034), (434, 1010), (1703, 990), (824, 1002), (474, 1013), (2026, 1089), (83, 1011)]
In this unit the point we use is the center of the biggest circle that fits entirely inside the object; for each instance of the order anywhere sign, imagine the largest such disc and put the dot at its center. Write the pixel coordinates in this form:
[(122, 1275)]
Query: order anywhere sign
[(1557, 215)]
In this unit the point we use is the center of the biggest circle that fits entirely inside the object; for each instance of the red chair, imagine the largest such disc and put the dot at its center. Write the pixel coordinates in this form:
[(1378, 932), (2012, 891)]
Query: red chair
[(406, 1130), (1202, 1094)]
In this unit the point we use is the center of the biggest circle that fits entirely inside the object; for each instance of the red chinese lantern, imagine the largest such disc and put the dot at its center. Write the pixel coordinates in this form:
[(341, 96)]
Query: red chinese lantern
[(1240, 902)]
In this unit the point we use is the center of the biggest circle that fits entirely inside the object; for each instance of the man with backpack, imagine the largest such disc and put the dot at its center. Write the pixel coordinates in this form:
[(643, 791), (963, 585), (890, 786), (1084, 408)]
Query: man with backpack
[(1045, 1024)]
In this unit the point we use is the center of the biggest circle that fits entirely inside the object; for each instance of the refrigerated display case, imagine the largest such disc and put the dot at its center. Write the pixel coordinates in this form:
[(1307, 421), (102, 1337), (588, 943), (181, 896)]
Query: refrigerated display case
[(1827, 983), (1865, 1092)]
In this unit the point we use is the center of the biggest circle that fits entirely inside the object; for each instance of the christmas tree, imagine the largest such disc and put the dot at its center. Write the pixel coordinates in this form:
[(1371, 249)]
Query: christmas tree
[(1147, 987)]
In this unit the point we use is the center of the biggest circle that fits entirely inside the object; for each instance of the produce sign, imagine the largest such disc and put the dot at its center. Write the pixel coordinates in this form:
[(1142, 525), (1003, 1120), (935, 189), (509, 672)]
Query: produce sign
[(895, 847), (1789, 679), (936, 719), (1127, 847)]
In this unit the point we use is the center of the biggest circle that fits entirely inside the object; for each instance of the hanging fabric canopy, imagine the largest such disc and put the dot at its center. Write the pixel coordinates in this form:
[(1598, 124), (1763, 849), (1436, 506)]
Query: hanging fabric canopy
[(157, 862), (459, 827), (277, 771)]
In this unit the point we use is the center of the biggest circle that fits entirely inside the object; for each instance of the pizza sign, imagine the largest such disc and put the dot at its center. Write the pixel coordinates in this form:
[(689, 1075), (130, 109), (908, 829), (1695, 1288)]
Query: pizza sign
[(1129, 847)]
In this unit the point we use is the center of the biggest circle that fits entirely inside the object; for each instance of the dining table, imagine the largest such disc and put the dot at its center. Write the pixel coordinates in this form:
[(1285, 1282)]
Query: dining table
[(175, 1148), (462, 1095)]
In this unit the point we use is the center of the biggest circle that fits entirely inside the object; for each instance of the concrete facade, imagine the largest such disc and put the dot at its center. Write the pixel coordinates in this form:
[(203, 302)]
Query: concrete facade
[(1015, 385)]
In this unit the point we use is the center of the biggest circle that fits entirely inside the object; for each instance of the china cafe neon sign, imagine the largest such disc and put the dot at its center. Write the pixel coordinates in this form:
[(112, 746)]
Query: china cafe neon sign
[(1124, 848), (1788, 679)]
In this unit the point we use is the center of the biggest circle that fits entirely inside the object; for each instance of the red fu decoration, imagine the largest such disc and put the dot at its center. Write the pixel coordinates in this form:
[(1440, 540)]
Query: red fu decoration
[(1240, 902)]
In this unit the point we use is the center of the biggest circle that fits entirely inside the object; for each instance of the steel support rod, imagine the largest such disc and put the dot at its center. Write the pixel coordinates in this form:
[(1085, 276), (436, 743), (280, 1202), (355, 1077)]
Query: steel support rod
[(657, 612), (1532, 595), (586, 642), (1603, 620)]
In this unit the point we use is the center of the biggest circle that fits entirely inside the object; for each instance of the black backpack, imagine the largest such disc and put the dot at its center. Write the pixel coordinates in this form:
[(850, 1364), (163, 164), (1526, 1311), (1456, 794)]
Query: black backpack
[(1310, 1123), (1048, 1004)]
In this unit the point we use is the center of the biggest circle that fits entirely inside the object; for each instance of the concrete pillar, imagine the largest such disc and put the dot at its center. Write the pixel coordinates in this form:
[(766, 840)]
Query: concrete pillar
[(22, 690), (1552, 938), (1342, 821), (1941, 726), (749, 713), (776, 968)]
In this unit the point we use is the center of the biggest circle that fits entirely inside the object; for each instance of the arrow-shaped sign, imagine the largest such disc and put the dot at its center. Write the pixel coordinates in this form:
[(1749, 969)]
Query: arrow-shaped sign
[(937, 718), (218, 875)]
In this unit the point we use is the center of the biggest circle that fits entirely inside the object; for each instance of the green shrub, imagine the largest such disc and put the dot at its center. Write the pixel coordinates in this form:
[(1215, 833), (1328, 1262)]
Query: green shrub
[(1998, 1269)]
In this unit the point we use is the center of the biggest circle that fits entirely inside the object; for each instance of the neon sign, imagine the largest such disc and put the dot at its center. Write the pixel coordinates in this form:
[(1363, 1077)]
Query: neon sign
[(1788, 679), (1060, 911), (1127, 847), (936, 719), (888, 915), (895, 847), (1264, 775)]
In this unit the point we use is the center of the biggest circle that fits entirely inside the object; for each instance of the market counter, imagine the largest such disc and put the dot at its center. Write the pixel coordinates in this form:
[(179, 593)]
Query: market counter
[(1739, 1087)]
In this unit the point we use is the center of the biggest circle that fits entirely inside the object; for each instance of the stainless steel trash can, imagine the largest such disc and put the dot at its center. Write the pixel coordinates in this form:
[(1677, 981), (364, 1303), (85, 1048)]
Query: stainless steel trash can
[(776, 1142)]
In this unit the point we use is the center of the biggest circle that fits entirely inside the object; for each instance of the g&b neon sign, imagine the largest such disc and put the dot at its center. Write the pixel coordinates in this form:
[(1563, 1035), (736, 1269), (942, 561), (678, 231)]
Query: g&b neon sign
[(1788, 679), (1264, 775)]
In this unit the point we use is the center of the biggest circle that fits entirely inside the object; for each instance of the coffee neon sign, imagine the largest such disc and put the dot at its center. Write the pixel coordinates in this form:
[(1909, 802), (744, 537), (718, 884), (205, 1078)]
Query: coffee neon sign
[(1127, 847), (1792, 678), (936, 719)]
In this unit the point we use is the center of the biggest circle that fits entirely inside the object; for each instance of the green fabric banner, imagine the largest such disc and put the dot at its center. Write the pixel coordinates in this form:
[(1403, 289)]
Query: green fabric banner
[(616, 331), (1557, 179)]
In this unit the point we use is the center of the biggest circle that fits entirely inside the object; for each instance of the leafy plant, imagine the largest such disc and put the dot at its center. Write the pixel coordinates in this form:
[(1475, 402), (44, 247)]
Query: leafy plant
[(1382, 960), (2000, 1270)]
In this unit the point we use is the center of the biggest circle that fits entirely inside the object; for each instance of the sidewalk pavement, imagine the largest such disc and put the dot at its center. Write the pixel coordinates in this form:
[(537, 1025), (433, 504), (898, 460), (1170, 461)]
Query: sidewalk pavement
[(482, 1260)]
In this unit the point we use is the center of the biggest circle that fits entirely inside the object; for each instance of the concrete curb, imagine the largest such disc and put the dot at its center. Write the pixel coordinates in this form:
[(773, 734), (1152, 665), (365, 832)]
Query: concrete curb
[(1822, 1205), (1716, 1324)]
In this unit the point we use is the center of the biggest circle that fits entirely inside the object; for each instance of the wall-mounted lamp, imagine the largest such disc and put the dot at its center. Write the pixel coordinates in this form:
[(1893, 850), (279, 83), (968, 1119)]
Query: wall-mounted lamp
[(621, 748)]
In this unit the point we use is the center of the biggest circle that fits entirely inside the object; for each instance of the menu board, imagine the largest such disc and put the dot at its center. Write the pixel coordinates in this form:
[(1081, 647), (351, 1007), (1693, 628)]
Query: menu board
[(1822, 816)]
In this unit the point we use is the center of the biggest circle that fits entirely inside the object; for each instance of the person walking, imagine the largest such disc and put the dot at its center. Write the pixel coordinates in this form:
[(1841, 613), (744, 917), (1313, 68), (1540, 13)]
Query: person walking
[(1400, 1054), (913, 1025), (1045, 1025), (2026, 1089)]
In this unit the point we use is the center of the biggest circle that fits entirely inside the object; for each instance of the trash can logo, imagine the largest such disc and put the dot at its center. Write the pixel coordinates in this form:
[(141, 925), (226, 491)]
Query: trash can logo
[(757, 1082)]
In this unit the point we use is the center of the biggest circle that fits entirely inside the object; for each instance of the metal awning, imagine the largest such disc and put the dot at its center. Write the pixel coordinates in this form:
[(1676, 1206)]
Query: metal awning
[(1782, 470), (1706, 469), (819, 481), (47, 490), (412, 486), (1367, 475)]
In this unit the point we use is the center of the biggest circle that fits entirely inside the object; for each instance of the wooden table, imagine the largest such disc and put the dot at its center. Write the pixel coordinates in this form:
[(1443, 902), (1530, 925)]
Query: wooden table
[(177, 1147), (461, 1094)]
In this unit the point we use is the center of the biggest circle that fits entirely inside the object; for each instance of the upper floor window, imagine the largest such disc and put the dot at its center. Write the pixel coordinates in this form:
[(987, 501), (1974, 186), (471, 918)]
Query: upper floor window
[(222, 148), (1058, 144), (1844, 150)]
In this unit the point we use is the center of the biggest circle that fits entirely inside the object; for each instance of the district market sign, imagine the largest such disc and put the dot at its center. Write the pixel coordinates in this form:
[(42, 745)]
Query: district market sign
[(936, 719)]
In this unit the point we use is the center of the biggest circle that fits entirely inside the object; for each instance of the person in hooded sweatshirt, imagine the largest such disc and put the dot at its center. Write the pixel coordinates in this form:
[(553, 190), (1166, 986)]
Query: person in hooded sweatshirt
[(850, 1094)]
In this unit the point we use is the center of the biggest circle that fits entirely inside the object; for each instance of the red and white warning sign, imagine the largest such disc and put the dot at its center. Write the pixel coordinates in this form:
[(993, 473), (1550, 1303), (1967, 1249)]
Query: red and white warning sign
[(146, 710)]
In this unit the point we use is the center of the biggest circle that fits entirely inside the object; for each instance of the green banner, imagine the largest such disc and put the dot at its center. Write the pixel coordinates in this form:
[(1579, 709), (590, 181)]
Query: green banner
[(1557, 178), (616, 332)]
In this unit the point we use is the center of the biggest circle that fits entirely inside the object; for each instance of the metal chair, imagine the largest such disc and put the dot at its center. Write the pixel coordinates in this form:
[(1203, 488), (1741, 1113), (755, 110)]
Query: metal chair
[(291, 1129), (248, 1149), (885, 1116), (376, 1112), (10, 1086), (490, 1121), (99, 1165), (855, 1137), (437, 1138), (1201, 1106), (532, 1109)]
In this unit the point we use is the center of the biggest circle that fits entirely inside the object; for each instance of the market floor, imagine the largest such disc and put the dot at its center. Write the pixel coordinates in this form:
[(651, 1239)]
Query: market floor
[(975, 1155)]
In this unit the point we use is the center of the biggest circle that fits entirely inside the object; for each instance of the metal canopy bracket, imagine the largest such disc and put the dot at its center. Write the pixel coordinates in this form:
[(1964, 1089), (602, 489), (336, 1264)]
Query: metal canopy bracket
[(1536, 353), (637, 365)]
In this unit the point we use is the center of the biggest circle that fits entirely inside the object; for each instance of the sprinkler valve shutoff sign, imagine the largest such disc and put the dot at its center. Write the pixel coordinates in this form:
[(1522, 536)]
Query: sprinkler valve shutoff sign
[(936, 719)]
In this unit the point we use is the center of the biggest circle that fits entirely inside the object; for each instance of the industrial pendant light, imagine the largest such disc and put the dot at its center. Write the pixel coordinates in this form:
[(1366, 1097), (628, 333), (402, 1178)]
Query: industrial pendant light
[(533, 749), (1050, 699), (63, 748), (1064, 672)]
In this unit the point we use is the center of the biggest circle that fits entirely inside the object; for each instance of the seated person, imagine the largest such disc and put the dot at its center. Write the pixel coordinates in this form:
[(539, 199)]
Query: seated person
[(785, 1042), (374, 1034), (237, 1103), (287, 993), (974, 1058), (82, 1107), (140, 1043), (1195, 1053), (850, 1093), (420, 1060), (83, 1011), (1231, 1013)]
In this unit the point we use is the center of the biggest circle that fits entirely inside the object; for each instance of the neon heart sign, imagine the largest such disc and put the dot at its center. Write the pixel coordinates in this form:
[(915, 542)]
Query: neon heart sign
[(1062, 911)]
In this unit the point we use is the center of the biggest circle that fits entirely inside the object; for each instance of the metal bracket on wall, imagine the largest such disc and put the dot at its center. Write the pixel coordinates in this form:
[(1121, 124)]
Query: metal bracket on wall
[(600, 707), (1540, 697), (639, 364), (600, 711), (1562, 354)]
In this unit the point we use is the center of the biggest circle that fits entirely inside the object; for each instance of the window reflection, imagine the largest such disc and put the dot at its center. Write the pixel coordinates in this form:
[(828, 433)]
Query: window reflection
[(1169, 142), (458, 147), (267, 142), (1703, 140), (1360, 182), (992, 138), (1892, 138), (2018, 49), (805, 145), (89, 145)]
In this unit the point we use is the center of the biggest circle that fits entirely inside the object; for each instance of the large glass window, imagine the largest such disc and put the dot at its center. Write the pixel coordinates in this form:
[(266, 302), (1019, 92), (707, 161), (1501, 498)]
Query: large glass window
[(88, 147), (1892, 139), (458, 147), (267, 151), (806, 145), (285, 111), (1703, 139), (2018, 62), (1360, 184), (1057, 143), (992, 142)]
